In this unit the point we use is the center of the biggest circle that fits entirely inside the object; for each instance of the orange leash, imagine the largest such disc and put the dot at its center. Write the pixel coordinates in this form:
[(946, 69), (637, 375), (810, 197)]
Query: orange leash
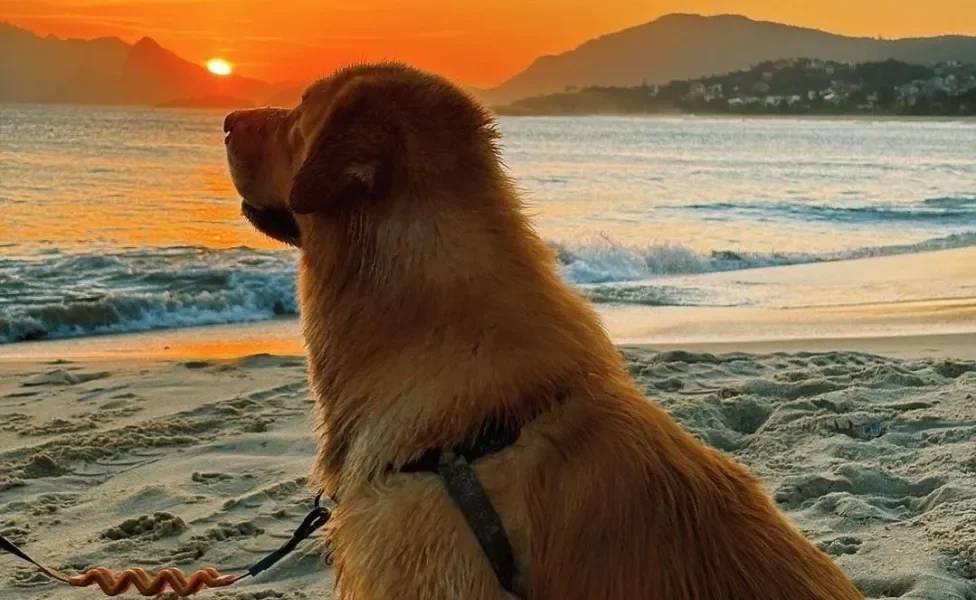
[(153, 585), (149, 585)]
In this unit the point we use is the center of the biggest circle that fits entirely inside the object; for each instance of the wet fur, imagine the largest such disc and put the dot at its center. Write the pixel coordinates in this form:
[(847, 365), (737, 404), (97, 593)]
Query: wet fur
[(430, 305)]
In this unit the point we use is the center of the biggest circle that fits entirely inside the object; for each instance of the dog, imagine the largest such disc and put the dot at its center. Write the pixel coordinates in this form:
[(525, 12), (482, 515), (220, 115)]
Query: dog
[(430, 306)]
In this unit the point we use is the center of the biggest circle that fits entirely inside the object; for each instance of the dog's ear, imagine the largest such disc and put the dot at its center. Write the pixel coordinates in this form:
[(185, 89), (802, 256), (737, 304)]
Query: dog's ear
[(351, 159)]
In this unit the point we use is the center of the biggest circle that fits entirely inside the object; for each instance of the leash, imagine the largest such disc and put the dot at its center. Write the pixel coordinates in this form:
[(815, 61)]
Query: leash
[(453, 466), (152, 585)]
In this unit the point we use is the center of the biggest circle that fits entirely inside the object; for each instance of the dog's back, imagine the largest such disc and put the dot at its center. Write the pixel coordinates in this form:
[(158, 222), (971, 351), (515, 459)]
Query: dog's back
[(631, 506), (617, 501), (603, 496)]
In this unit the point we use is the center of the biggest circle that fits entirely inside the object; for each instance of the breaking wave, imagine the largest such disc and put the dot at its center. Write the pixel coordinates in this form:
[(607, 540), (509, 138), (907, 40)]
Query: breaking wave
[(59, 295)]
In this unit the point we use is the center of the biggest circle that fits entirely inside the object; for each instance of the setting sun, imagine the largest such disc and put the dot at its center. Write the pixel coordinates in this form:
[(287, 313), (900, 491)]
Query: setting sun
[(219, 66)]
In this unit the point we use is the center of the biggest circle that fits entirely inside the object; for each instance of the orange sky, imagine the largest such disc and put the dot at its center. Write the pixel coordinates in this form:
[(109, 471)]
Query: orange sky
[(478, 43)]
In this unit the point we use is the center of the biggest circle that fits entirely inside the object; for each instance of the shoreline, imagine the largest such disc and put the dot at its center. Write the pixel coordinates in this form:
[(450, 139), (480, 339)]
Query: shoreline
[(283, 338)]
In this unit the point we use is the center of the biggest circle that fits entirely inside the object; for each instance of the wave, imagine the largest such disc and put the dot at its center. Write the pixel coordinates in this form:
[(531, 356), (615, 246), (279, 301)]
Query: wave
[(949, 210), (648, 293), (951, 202), (71, 296), (57, 296), (602, 260)]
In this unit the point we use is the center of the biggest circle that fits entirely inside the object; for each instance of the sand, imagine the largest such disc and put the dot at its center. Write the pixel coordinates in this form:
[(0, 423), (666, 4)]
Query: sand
[(156, 464), (193, 462)]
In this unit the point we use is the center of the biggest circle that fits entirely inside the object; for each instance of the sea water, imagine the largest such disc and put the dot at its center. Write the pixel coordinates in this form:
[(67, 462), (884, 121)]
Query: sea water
[(125, 219)]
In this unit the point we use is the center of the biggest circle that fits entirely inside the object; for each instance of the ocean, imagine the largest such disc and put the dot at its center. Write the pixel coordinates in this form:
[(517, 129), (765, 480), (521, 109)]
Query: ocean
[(124, 219)]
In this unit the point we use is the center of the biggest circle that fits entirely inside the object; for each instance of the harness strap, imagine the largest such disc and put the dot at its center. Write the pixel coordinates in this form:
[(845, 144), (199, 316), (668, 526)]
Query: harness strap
[(466, 491), (455, 468)]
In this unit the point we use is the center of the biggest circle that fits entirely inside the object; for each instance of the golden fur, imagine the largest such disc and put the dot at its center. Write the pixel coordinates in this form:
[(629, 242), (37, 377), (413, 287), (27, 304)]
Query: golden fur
[(429, 305)]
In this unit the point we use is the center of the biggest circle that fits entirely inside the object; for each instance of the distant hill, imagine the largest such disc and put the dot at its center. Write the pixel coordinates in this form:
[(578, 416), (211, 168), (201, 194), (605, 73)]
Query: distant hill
[(784, 87), (110, 71), (35, 69), (679, 46)]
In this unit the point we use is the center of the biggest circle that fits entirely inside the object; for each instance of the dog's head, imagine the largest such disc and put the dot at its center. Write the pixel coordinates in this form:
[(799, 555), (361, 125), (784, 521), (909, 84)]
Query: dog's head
[(358, 140)]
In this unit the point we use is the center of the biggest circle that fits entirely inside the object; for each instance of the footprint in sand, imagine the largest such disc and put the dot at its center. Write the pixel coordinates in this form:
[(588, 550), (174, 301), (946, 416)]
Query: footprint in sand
[(197, 546), (232, 531), (9, 483), (210, 478), (15, 422), (838, 546), (41, 466), (23, 394), (59, 426), (28, 577), (49, 504), (15, 532), (62, 377), (863, 495), (294, 491), (155, 526)]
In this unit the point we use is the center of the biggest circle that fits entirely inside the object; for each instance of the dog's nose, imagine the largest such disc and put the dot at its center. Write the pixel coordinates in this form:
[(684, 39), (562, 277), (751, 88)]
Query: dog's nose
[(229, 121)]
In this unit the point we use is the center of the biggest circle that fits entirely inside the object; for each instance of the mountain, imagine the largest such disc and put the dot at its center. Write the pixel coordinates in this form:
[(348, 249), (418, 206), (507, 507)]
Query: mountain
[(110, 71), (674, 47), (35, 69), (684, 46), (152, 75)]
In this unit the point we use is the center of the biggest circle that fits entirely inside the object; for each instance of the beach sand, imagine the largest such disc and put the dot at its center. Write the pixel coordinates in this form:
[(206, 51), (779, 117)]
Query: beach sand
[(132, 459), (156, 464)]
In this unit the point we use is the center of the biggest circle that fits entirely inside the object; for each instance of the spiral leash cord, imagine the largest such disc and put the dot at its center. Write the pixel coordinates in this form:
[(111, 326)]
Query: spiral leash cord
[(113, 584)]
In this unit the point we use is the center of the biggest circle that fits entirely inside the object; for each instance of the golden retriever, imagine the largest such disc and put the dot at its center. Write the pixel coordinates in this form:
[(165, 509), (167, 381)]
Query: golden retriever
[(430, 306)]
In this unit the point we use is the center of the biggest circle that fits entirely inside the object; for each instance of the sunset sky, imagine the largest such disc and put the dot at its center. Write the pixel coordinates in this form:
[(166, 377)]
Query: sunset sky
[(478, 43)]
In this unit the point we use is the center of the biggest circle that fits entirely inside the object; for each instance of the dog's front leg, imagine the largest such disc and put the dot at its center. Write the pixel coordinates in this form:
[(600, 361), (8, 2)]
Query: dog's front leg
[(409, 542)]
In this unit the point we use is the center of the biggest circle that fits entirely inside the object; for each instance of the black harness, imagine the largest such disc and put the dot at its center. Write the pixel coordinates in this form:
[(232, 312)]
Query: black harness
[(454, 467)]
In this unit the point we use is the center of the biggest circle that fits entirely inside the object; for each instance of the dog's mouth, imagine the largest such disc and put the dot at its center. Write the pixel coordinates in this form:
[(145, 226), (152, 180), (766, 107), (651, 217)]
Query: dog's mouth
[(276, 223)]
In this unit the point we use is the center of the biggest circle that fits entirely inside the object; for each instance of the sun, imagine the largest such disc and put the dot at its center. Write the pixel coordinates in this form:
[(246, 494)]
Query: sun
[(219, 66)]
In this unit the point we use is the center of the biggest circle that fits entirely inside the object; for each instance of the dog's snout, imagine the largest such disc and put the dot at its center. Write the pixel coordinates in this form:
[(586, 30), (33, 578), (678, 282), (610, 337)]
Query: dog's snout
[(251, 122), (229, 121)]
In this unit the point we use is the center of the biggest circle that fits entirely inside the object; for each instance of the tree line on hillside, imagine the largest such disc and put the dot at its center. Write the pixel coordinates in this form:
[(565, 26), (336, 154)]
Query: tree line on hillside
[(790, 87)]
